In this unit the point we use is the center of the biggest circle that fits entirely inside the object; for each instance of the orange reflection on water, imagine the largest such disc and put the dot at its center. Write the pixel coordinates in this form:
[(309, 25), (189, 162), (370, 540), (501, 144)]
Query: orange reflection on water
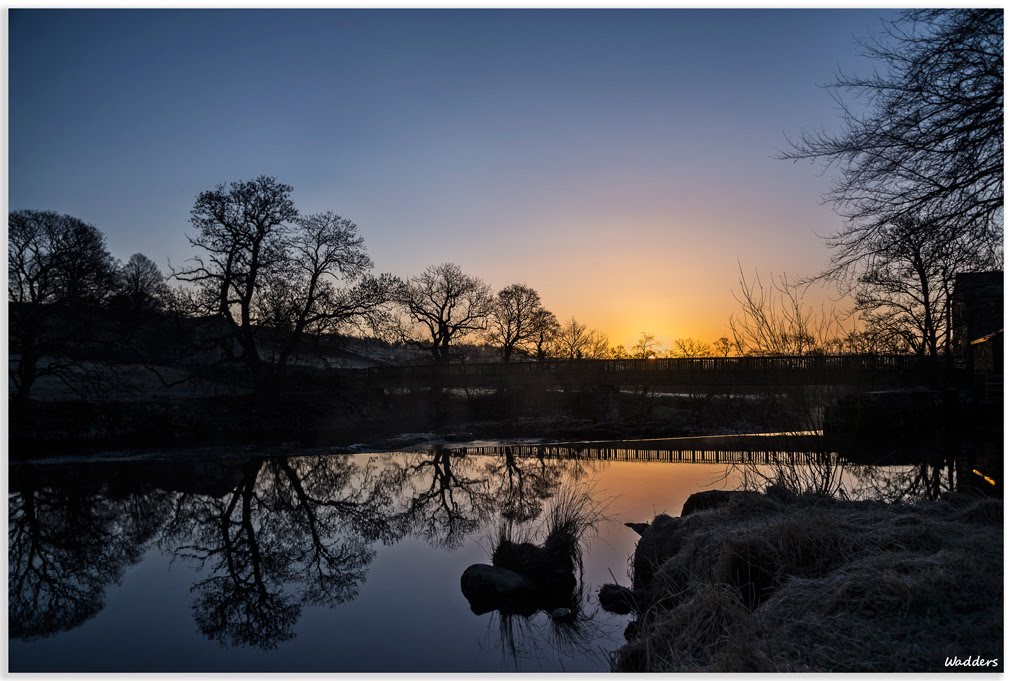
[(642, 490)]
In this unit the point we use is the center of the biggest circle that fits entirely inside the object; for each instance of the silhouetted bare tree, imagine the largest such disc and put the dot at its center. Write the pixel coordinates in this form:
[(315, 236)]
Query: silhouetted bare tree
[(646, 347), (775, 320), (619, 352), (443, 305), (576, 341), (307, 296), (572, 339), (140, 286), (263, 267), (723, 346), (921, 177), (240, 228), (927, 137), (516, 319), (905, 292), (598, 345), (691, 347), (58, 271), (546, 331)]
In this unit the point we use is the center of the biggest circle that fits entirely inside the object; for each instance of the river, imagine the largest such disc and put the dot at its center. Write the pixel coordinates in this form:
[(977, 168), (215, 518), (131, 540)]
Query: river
[(293, 561)]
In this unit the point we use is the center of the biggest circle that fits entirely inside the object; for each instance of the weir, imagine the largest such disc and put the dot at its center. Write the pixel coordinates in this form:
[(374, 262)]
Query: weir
[(694, 372)]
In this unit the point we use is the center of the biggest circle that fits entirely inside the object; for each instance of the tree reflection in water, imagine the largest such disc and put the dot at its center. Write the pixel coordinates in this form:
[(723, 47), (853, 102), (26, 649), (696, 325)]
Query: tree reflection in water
[(525, 484), (299, 531), (904, 483), (446, 497), (825, 474), (271, 535), (293, 532), (449, 495), (66, 545)]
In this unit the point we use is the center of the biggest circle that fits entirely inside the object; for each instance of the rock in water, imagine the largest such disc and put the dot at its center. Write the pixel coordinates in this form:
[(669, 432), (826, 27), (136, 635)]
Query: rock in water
[(616, 599), (486, 586)]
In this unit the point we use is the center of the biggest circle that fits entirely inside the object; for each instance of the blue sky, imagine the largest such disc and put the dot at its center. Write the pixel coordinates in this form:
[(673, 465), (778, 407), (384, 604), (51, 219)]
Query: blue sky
[(621, 162)]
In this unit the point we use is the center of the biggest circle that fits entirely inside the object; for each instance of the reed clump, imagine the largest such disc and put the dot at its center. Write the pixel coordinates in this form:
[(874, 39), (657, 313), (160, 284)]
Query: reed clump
[(781, 582), (570, 518)]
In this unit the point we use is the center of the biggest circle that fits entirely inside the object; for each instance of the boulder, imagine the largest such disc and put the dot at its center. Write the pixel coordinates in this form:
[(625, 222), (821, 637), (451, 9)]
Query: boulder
[(617, 599), (715, 498), (487, 587), (660, 541), (704, 501)]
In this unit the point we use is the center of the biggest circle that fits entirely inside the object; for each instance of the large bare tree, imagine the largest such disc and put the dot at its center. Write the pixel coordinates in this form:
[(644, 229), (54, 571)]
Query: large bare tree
[(58, 271), (272, 276), (926, 138), (516, 320), (646, 347), (693, 347), (905, 292), (443, 304), (921, 176), (546, 331), (325, 286)]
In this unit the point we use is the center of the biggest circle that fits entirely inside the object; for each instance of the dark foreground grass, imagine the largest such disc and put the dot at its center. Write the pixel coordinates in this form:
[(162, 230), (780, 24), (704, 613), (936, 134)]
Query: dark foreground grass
[(781, 583)]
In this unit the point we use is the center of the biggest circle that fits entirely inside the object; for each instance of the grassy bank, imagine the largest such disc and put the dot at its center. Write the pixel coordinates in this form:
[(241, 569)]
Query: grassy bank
[(777, 582)]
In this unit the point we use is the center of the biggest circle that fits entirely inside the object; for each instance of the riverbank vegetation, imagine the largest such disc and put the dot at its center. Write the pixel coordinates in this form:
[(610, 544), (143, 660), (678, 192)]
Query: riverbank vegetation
[(778, 582)]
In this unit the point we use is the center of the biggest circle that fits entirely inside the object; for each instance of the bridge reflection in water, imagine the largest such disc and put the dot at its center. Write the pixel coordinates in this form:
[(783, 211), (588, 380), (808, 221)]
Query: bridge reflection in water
[(928, 470), (762, 448)]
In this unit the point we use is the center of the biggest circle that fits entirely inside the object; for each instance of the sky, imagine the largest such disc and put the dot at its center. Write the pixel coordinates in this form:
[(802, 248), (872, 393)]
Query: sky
[(621, 162)]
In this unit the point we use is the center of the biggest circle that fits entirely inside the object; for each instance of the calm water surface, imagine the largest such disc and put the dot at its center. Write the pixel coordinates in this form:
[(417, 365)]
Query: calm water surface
[(325, 562)]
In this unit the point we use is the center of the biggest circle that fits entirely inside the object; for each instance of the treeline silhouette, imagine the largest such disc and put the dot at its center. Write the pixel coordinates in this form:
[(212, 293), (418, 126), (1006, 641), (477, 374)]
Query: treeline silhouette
[(920, 187), (269, 288)]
